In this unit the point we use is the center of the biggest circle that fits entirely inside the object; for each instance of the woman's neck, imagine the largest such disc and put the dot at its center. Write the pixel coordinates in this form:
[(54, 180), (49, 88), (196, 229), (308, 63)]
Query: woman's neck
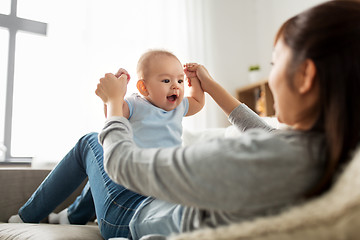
[(308, 122)]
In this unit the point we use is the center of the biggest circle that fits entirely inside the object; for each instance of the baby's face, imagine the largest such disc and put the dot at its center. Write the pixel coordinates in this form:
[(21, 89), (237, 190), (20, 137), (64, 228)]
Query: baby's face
[(165, 82)]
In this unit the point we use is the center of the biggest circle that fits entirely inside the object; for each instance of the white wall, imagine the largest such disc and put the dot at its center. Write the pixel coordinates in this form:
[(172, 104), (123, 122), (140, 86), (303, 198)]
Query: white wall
[(230, 30), (239, 33), (270, 15)]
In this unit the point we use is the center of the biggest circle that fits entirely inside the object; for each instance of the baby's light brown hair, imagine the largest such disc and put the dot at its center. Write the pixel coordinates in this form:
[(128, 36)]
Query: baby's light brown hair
[(145, 59)]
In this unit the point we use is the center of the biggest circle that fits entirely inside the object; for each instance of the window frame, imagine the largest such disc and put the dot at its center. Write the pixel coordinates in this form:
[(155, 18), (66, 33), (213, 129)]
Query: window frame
[(14, 24)]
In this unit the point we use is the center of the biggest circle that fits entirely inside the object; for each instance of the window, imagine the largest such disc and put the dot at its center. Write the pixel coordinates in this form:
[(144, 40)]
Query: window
[(4, 36), (13, 24), (5, 7), (56, 71)]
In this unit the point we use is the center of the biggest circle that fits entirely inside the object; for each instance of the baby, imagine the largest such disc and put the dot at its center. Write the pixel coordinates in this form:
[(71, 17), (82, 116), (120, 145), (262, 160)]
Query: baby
[(155, 115)]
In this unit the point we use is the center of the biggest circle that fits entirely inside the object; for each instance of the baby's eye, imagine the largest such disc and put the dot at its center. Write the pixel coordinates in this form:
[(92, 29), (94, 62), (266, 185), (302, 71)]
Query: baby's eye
[(180, 81), (166, 80)]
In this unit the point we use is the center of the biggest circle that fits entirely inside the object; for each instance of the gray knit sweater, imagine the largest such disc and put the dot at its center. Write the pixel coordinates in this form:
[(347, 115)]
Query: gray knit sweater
[(220, 181)]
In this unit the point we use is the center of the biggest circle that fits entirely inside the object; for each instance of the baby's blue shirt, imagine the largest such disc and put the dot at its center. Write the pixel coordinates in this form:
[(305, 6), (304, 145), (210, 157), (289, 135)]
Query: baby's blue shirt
[(154, 127)]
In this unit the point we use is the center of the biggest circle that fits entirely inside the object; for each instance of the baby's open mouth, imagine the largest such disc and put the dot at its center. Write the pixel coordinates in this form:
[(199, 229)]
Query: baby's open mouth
[(172, 98)]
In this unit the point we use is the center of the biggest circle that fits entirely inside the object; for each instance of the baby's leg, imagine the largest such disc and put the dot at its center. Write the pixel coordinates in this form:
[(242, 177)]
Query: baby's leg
[(83, 209), (114, 204), (57, 186), (79, 212)]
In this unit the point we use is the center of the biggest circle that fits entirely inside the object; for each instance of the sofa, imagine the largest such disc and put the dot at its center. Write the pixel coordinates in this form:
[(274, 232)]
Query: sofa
[(333, 216), (17, 185)]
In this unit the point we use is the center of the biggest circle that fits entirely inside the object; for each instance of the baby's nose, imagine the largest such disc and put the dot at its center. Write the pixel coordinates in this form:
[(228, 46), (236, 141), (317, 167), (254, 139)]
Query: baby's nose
[(175, 85)]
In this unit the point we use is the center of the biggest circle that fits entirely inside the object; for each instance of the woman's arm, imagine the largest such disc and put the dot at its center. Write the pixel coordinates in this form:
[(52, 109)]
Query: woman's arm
[(239, 114), (222, 97), (222, 174)]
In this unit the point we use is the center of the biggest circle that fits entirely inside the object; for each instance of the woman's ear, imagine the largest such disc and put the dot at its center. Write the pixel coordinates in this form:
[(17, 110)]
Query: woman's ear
[(308, 77), (142, 88)]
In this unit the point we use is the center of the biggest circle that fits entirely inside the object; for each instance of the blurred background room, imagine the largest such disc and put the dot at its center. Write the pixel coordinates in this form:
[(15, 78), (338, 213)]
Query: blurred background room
[(52, 54)]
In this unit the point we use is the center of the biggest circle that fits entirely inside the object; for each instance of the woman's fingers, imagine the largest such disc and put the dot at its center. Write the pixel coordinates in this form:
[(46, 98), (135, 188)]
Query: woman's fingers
[(191, 66), (189, 81), (100, 93), (122, 71), (190, 69)]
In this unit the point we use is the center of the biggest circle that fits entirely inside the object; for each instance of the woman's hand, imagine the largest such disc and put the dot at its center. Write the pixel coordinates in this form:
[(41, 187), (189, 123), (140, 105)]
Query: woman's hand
[(112, 90), (196, 70)]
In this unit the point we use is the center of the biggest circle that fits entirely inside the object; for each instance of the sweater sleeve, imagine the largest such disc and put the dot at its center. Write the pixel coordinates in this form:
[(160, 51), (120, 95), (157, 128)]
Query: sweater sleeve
[(222, 174), (244, 118)]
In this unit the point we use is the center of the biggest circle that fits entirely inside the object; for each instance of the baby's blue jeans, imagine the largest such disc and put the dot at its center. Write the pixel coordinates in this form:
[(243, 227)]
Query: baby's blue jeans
[(114, 205)]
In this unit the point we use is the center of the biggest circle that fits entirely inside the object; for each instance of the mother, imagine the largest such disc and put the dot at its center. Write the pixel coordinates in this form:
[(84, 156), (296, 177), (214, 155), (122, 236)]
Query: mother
[(315, 81)]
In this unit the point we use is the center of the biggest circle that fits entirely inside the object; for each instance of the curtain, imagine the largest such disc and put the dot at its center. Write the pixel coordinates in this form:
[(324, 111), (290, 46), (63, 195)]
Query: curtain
[(56, 75)]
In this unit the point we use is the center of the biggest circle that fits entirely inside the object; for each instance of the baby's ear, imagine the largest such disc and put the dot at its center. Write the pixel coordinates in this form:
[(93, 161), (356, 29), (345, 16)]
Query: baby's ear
[(142, 88)]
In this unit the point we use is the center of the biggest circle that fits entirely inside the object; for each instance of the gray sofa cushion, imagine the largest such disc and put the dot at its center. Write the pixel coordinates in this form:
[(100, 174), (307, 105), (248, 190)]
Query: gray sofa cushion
[(26, 231), (17, 185)]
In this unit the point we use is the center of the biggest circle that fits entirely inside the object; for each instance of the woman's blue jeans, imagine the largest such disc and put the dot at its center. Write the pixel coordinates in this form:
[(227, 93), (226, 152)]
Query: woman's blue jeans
[(114, 205)]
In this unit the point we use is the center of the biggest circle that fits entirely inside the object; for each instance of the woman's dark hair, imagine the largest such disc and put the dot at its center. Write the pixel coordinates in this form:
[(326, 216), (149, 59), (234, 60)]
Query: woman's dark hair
[(329, 35)]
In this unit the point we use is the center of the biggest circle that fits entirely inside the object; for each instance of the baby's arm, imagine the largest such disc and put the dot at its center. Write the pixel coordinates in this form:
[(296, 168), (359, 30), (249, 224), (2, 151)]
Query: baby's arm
[(222, 97), (196, 96), (126, 110)]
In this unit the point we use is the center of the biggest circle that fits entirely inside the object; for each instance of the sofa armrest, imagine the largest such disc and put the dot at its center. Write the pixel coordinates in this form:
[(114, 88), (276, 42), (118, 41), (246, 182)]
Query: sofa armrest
[(18, 184)]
